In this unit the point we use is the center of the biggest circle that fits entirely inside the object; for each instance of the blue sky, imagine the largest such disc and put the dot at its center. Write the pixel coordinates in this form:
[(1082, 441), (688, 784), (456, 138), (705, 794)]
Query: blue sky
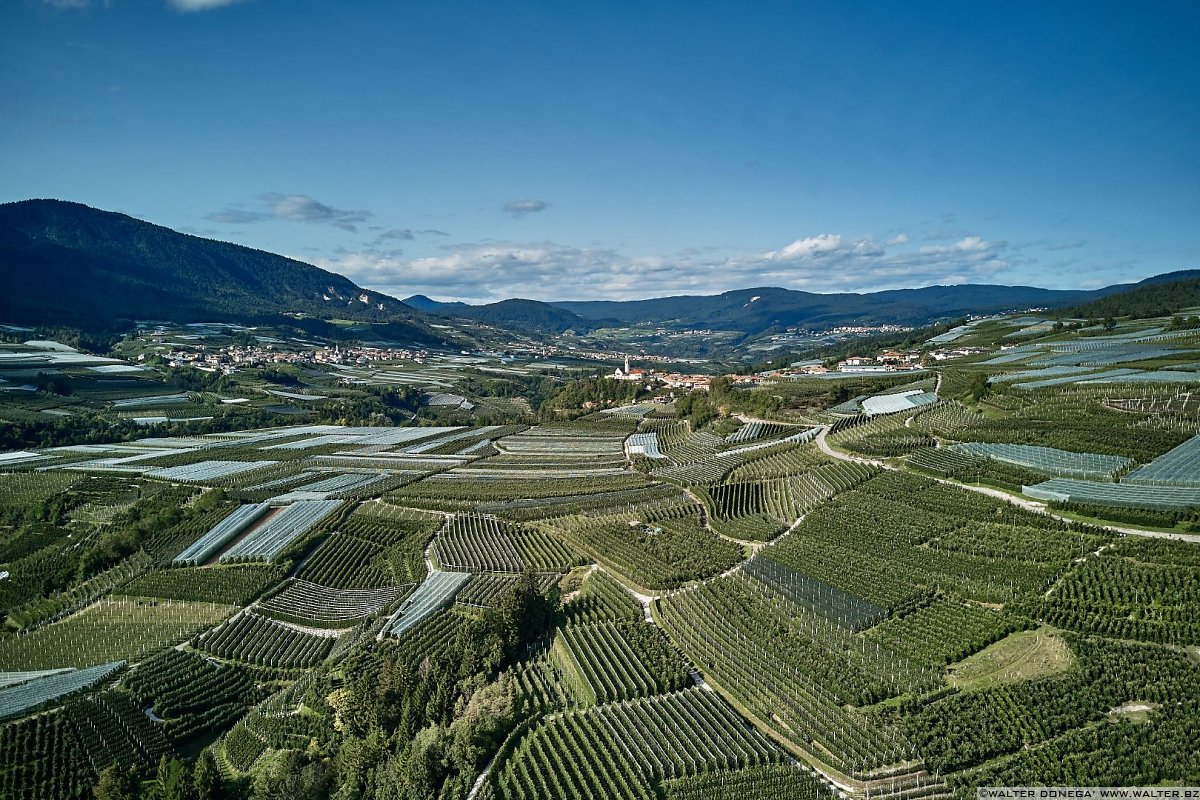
[(604, 149)]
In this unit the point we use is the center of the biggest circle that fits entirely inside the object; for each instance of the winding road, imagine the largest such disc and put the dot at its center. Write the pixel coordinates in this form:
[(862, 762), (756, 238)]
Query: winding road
[(1021, 502)]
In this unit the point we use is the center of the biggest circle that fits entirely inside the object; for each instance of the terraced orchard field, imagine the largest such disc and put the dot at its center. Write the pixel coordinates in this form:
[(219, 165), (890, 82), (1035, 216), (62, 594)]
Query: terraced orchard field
[(620, 606), (114, 628), (631, 745)]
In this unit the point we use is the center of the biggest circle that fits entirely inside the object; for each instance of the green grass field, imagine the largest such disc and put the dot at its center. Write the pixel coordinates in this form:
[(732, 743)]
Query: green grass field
[(1021, 656)]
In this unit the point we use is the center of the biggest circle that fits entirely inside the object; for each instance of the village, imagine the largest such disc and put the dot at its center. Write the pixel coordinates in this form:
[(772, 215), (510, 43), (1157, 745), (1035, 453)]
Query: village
[(656, 371), (228, 360), (890, 361)]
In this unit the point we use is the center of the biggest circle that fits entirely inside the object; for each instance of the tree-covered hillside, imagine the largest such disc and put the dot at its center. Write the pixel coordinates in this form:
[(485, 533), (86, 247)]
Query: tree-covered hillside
[(1157, 297), (757, 310), (530, 316), (66, 263)]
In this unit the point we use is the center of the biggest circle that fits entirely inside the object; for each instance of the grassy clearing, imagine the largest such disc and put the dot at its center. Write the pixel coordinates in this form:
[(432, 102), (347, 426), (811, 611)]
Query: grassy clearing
[(1135, 711), (1018, 657)]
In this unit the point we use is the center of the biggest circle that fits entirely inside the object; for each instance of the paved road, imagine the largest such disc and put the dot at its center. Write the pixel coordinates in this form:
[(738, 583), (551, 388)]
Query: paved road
[(1021, 502), (841, 456)]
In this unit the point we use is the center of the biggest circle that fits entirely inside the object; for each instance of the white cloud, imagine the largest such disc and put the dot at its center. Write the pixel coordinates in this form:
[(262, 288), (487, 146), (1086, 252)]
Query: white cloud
[(972, 244), (184, 6), (968, 244), (810, 247), (188, 6), (494, 270)]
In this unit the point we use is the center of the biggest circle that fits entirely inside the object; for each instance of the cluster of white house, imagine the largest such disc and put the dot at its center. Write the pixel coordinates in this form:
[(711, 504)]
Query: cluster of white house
[(678, 380), (672, 380)]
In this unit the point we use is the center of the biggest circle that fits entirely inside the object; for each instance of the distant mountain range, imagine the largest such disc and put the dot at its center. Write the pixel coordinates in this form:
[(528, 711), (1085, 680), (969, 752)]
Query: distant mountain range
[(756, 311), (66, 263), (531, 316)]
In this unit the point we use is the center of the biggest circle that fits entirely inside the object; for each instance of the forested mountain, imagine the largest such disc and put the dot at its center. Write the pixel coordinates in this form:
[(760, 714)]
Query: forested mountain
[(753, 311), (423, 303), (757, 310), (1154, 297), (67, 263), (518, 314)]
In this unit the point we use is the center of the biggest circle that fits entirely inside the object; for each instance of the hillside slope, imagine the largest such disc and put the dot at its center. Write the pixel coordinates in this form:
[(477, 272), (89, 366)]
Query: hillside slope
[(756, 310), (1159, 296), (68, 263), (529, 316)]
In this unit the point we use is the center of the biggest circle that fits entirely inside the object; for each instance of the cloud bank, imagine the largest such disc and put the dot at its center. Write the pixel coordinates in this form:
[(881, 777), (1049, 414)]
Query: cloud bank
[(185, 6), (494, 270), (188, 6)]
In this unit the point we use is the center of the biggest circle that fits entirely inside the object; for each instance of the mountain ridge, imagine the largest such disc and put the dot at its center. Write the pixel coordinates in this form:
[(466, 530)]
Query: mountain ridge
[(68, 263), (759, 309), (524, 314)]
